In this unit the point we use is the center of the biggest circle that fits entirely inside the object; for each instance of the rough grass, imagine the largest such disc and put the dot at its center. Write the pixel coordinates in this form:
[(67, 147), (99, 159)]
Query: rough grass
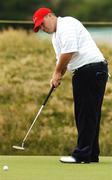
[(27, 64)]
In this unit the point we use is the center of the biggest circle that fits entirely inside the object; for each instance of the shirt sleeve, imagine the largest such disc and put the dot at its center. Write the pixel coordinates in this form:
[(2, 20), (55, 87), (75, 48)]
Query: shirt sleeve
[(68, 39)]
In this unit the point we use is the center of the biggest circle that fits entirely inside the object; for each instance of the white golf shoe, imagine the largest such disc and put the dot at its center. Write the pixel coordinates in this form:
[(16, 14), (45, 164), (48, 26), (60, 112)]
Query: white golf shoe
[(68, 159)]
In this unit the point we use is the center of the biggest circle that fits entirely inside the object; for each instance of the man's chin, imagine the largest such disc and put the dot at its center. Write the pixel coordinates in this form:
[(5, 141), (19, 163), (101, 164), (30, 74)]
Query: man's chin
[(49, 32)]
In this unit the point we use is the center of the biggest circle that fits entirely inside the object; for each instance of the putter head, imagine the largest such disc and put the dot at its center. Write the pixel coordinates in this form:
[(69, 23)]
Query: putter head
[(18, 147)]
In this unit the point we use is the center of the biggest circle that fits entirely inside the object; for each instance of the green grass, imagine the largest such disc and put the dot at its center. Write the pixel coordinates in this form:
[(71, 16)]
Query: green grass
[(49, 168)]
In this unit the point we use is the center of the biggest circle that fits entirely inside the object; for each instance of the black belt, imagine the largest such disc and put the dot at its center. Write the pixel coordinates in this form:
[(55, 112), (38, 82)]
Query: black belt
[(90, 65)]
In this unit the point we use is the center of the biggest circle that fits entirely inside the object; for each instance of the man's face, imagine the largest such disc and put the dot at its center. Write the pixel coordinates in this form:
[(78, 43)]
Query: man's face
[(49, 24)]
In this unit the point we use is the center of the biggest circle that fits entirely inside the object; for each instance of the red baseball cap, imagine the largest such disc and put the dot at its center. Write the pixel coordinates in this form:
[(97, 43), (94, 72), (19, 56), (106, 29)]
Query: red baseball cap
[(38, 17)]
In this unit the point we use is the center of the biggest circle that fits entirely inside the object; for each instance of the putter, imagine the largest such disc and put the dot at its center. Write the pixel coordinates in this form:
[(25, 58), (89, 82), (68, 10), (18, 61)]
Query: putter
[(44, 103)]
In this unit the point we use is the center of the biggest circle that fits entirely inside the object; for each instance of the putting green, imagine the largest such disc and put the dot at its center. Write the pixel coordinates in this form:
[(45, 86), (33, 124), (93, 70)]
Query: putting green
[(49, 168)]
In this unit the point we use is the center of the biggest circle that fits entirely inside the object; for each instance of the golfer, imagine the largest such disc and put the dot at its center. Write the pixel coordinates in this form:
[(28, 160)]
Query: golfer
[(77, 52)]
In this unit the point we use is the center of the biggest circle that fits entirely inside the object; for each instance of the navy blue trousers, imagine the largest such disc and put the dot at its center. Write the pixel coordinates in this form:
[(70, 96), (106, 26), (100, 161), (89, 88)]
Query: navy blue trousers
[(89, 84)]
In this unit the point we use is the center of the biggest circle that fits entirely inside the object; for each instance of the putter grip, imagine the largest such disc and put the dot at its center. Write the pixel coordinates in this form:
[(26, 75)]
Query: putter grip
[(51, 90)]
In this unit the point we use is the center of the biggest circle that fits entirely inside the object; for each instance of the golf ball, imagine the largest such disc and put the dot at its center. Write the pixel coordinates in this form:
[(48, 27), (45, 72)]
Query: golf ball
[(5, 168)]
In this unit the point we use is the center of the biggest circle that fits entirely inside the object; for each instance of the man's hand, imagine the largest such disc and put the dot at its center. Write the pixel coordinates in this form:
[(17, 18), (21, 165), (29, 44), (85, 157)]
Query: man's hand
[(56, 79)]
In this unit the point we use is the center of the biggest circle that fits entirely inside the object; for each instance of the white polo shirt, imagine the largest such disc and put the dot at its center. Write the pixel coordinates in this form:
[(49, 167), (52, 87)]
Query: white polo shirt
[(72, 36)]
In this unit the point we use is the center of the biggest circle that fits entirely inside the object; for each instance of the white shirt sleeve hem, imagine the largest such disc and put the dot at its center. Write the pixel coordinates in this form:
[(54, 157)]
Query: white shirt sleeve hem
[(69, 51)]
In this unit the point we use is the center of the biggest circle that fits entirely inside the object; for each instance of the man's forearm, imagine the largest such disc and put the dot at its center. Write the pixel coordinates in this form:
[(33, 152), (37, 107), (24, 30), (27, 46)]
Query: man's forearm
[(63, 62), (64, 70), (60, 68)]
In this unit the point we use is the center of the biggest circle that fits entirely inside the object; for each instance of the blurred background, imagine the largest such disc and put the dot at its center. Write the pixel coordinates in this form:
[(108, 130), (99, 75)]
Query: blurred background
[(85, 10), (27, 61)]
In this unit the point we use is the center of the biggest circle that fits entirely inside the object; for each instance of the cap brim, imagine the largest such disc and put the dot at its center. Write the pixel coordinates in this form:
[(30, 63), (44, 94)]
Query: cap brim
[(37, 25)]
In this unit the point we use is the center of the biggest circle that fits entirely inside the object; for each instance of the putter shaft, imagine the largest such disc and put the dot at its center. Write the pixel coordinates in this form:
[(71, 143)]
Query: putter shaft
[(32, 125), (44, 103)]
